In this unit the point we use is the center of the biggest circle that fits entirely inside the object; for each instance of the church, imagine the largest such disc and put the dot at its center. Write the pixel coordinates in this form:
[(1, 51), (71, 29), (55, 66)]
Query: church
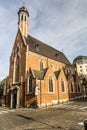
[(39, 74)]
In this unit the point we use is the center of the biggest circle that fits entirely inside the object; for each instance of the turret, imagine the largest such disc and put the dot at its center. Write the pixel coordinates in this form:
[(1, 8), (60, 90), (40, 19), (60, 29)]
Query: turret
[(23, 20)]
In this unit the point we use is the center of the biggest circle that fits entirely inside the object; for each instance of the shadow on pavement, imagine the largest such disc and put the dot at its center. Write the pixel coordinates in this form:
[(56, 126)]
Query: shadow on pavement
[(83, 99), (52, 127)]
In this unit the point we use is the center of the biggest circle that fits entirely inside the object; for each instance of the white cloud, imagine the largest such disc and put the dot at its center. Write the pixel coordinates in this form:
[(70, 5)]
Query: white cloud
[(63, 25)]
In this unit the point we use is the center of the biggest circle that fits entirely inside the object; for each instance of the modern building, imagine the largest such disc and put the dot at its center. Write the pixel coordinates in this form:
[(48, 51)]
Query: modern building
[(81, 66), (39, 74)]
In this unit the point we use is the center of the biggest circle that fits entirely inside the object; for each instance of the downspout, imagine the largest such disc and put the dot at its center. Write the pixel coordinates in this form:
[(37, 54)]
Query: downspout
[(58, 92), (40, 94), (26, 69)]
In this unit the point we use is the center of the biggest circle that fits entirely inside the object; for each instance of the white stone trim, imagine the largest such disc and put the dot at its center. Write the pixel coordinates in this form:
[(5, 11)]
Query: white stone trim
[(63, 100)]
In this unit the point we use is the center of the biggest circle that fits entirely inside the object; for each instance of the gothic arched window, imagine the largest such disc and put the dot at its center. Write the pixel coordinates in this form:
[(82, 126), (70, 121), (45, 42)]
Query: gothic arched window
[(79, 89), (30, 83), (25, 18), (17, 68), (72, 87), (22, 17), (41, 65), (50, 84), (62, 85)]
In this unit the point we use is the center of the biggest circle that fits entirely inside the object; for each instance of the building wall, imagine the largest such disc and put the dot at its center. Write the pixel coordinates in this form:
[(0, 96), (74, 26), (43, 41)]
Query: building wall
[(81, 65), (44, 96), (81, 69), (34, 59)]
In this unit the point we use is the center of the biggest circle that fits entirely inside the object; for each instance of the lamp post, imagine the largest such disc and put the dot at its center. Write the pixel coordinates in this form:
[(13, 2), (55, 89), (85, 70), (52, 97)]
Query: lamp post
[(57, 58)]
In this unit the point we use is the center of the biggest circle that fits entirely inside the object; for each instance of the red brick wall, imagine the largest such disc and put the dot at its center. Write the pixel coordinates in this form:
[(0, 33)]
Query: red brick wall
[(22, 47), (34, 61)]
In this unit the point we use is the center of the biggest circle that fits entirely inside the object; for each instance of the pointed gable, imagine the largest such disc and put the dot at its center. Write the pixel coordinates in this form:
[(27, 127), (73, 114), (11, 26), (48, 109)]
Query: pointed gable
[(38, 74), (57, 73), (19, 40), (49, 72), (61, 74)]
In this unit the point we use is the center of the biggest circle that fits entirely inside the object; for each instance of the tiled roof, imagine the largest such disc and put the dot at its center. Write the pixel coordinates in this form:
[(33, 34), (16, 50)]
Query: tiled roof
[(43, 49), (24, 9), (80, 58), (39, 74)]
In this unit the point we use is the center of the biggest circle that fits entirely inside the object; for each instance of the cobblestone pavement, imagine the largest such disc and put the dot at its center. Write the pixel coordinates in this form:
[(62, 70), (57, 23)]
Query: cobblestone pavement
[(67, 116), (5, 110)]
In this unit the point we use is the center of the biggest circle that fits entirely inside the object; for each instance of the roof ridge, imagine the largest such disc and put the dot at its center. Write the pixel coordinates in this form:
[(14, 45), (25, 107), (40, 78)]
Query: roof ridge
[(46, 50), (45, 43)]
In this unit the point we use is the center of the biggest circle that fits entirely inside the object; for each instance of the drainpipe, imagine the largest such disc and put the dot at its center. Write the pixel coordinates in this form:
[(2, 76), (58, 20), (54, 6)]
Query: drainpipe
[(58, 92), (18, 98), (11, 105), (40, 94)]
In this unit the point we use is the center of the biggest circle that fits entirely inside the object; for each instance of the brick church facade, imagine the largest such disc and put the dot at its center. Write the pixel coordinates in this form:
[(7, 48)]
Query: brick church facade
[(39, 74)]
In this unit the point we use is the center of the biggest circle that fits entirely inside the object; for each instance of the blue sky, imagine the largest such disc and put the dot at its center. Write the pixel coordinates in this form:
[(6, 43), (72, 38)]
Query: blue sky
[(59, 23)]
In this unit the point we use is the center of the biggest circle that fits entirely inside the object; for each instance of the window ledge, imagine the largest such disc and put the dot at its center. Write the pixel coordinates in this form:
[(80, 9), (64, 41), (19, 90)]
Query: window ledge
[(72, 92), (64, 92), (51, 92), (16, 83)]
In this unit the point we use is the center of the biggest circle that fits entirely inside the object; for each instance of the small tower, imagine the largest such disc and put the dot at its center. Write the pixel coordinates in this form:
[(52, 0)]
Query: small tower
[(23, 20)]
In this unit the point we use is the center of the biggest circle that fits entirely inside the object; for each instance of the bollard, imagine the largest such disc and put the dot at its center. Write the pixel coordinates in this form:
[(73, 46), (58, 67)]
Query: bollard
[(85, 124)]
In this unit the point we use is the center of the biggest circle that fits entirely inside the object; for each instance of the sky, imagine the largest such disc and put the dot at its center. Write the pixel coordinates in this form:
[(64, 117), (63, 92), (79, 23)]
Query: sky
[(61, 24)]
